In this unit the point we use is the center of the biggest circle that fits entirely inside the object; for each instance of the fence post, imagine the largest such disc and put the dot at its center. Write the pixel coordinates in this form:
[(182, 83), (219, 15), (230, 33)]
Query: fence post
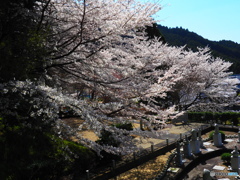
[(114, 168), (180, 136), (134, 156), (152, 148), (167, 141), (88, 177), (141, 124), (211, 122)]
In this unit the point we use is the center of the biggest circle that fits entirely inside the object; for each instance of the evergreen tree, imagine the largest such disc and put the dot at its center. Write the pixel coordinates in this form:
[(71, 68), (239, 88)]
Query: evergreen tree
[(22, 47)]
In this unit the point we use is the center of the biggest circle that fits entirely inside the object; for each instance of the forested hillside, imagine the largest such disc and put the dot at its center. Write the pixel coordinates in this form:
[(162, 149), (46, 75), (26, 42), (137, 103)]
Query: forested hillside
[(227, 50)]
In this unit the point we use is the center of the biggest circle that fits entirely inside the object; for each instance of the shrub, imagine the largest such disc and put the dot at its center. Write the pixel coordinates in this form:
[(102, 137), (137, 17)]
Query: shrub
[(40, 155), (126, 126), (107, 138), (226, 157), (222, 134), (80, 159)]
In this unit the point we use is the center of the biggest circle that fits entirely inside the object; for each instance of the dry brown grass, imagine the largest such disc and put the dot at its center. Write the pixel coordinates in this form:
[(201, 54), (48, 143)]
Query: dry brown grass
[(75, 122), (148, 170)]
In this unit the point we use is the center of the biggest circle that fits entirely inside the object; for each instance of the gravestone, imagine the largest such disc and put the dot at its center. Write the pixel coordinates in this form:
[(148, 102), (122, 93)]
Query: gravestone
[(200, 138), (206, 175), (211, 122), (187, 151), (217, 137), (178, 155), (195, 145), (238, 135), (235, 160)]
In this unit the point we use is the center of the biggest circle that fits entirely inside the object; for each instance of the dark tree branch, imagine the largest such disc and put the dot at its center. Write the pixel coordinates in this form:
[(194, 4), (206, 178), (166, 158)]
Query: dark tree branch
[(42, 15), (91, 80)]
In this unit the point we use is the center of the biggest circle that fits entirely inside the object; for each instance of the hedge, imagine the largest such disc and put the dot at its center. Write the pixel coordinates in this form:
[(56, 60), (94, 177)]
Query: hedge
[(224, 117)]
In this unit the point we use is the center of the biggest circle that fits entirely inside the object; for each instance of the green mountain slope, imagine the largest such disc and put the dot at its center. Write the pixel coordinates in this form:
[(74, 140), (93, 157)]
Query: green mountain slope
[(227, 50)]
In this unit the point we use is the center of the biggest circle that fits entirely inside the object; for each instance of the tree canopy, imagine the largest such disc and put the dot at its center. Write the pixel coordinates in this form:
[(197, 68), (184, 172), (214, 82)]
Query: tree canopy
[(95, 58), (228, 50)]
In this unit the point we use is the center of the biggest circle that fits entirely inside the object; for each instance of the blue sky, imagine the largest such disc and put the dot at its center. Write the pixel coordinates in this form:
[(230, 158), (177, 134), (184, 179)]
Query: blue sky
[(212, 19)]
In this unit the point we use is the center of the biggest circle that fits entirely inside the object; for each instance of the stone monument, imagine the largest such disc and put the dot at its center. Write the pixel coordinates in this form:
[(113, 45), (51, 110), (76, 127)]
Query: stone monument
[(235, 160), (238, 135), (200, 138), (217, 137), (206, 175), (187, 151), (178, 155), (195, 145)]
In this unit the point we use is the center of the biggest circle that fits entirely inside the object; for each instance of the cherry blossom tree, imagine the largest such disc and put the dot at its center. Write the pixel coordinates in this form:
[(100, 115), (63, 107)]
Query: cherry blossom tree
[(100, 47), (204, 79)]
